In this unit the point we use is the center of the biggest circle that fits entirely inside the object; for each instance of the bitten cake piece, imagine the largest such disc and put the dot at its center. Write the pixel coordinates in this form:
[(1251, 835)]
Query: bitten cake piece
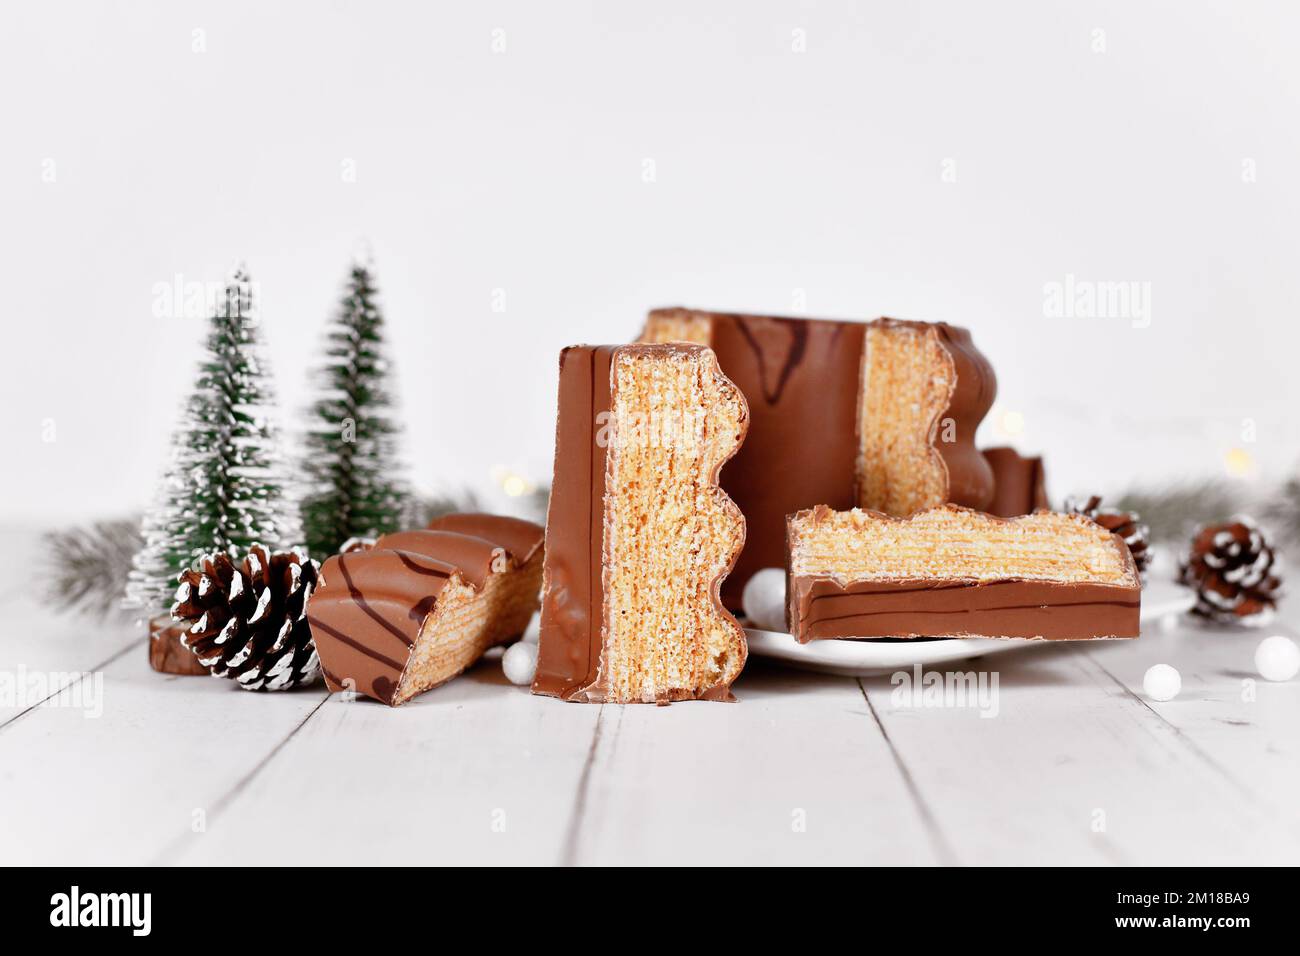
[(953, 572), (1019, 485), (416, 608), (879, 414), (639, 536)]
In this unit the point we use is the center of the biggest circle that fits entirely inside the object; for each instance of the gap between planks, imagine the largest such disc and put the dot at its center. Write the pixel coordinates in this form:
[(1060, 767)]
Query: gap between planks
[(942, 848), (604, 743), (176, 848), (134, 643), (1177, 731), (572, 833)]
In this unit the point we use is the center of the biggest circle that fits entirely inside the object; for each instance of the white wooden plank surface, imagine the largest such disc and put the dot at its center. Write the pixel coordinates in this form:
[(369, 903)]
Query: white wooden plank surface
[(802, 777), (806, 768), (1073, 770), (476, 772), (121, 788), (1243, 727), (55, 649)]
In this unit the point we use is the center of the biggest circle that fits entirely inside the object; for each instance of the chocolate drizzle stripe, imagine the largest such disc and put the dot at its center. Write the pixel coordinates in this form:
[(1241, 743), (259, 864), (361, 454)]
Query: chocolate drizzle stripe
[(791, 371), (822, 608), (356, 645), (798, 345), (370, 612), (886, 588), (417, 568), (815, 619), (891, 587)]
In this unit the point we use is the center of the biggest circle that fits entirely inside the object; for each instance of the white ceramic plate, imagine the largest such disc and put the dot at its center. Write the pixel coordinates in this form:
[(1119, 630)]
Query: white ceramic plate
[(867, 657)]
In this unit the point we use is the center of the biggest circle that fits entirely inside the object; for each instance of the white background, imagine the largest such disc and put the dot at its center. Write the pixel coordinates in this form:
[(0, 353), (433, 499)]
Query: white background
[(778, 174)]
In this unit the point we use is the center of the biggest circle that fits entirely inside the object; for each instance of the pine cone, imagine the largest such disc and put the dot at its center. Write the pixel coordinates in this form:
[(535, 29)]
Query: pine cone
[(247, 619), (1234, 571), (1126, 524)]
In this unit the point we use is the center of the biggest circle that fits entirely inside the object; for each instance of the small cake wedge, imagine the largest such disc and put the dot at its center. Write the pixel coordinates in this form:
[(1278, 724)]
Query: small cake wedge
[(639, 536), (415, 609), (953, 572)]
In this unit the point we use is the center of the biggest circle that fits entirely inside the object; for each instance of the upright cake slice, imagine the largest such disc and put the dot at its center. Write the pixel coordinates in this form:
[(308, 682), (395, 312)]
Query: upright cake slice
[(952, 572), (639, 536), (879, 414), (413, 610)]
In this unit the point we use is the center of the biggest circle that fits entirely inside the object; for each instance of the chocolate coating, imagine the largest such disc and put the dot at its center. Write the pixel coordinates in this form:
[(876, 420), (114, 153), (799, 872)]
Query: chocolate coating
[(823, 608), (800, 377), (1019, 484), (367, 614), (519, 537), (472, 557), (570, 640)]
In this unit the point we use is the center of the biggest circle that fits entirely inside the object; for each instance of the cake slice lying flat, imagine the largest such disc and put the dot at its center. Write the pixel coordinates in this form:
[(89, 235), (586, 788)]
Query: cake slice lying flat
[(639, 536), (952, 572), (416, 608)]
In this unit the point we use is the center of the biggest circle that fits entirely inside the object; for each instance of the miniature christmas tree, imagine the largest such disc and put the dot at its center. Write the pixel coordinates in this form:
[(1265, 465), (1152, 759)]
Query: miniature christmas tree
[(354, 487), (223, 488), (152, 578)]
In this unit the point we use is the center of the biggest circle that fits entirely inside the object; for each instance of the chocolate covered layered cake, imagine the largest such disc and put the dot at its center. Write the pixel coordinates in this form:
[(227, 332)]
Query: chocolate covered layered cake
[(880, 415), (416, 608), (639, 536), (953, 572)]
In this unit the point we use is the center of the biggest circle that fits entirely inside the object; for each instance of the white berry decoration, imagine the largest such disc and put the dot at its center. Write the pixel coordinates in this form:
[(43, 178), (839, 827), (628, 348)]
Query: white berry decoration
[(520, 663), (1162, 682), (764, 599), (1277, 658)]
